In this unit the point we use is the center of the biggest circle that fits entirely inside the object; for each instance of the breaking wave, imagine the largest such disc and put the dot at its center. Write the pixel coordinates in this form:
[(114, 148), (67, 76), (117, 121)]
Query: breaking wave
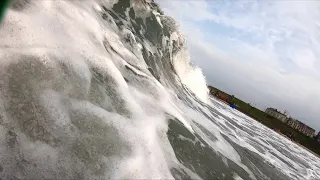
[(105, 89), (191, 76)]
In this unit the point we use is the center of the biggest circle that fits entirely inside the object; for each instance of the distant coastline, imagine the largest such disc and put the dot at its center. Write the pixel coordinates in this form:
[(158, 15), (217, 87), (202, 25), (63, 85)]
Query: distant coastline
[(275, 124)]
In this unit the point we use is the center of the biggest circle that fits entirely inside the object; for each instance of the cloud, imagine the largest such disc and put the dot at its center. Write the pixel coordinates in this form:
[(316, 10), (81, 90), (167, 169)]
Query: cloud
[(266, 52), (183, 10), (304, 58)]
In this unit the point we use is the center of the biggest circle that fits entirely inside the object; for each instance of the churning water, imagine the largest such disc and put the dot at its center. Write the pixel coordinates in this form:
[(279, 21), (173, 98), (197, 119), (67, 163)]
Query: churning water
[(105, 89)]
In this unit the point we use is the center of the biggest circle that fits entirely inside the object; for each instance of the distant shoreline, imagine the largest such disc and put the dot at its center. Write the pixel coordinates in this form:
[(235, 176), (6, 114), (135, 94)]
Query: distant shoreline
[(260, 116)]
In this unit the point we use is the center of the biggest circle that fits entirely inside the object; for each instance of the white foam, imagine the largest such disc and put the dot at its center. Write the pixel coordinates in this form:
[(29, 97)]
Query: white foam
[(237, 177), (190, 75), (280, 161), (108, 3), (219, 144), (157, 15), (64, 40)]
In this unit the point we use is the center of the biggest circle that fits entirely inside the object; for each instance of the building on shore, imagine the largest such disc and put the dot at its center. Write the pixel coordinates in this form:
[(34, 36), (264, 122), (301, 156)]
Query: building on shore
[(277, 114), (295, 124), (223, 96), (301, 127), (307, 130)]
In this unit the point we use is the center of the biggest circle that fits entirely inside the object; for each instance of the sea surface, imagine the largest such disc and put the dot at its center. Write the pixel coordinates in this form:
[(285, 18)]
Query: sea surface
[(106, 89)]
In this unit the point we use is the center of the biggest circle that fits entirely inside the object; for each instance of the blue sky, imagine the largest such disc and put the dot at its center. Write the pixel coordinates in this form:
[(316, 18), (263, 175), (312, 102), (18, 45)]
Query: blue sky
[(265, 52)]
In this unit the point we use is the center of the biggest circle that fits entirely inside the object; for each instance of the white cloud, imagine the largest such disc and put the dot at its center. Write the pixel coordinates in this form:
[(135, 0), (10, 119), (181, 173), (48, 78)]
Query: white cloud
[(184, 10), (304, 58)]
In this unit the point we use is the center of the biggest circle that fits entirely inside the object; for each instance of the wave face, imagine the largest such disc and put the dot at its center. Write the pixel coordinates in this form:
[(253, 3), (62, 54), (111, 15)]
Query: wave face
[(105, 89)]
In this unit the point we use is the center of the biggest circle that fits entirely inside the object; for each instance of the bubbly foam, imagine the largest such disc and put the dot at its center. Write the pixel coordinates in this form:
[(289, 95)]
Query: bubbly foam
[(190, 75), (83, 117)]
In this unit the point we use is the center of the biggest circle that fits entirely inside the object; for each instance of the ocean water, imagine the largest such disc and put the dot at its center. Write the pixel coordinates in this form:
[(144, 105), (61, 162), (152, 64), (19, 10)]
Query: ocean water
[(106, 89)]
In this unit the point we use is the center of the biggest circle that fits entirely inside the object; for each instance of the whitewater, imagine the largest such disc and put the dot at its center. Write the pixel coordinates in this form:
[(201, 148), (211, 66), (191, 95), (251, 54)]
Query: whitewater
[(106, 89)]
